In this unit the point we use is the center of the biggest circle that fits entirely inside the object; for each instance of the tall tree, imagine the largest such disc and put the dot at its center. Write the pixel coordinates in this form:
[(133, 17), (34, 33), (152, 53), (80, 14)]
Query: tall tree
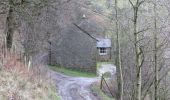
[(138, 49), (155, 53), (118, 57), (10, 23)]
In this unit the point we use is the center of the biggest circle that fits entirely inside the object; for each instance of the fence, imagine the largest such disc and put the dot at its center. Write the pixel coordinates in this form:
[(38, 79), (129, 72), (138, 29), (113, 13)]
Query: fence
[(104, 82)]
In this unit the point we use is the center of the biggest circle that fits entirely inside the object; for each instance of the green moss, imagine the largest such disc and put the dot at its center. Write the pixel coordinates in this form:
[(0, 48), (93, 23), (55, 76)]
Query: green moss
[(71, 72)]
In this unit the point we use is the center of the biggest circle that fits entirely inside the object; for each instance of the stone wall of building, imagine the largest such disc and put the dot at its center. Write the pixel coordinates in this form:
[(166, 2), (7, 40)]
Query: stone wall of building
[(106, 57)]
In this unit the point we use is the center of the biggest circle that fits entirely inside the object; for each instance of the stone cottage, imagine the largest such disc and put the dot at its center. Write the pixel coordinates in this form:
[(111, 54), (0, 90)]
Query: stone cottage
[(104, 49)]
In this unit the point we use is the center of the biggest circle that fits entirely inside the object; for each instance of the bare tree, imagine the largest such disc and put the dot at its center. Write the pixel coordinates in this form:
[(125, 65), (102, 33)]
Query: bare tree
[(155, 53), (118, 57), (138, 49)]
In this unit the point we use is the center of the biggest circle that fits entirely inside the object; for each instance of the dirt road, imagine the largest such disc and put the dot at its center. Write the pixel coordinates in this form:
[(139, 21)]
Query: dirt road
[(77, 88), (73, 88)]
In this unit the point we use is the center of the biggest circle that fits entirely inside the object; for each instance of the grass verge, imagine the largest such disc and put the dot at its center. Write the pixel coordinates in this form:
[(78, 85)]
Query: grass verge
[(71, 72)]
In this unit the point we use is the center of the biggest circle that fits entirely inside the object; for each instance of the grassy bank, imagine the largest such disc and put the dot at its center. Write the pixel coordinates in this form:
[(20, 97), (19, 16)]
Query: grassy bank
[(71, 72), (18, 82), (15, 86)]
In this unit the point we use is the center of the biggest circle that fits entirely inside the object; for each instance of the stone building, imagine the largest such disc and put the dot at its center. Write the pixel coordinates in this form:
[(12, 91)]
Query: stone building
[(104, 49)]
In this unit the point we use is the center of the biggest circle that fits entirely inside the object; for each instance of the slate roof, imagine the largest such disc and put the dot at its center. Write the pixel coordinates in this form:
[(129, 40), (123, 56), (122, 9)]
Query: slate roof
[(105, 43)]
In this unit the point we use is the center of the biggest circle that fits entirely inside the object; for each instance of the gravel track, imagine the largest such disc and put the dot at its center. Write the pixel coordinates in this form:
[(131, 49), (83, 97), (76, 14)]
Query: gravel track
[(78, 88), (73, 88)]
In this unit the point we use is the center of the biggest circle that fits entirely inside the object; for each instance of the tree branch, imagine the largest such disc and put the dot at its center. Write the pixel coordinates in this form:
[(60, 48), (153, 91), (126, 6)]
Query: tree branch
[(140, 3), (131, 3), (142, 57), (142, 30)]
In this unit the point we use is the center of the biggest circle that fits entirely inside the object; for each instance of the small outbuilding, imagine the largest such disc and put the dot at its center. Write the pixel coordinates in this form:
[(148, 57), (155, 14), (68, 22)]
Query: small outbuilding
[(104, 49)]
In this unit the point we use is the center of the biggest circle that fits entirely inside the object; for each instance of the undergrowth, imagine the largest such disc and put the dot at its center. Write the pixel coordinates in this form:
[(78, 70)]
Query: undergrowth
[(18, 82)]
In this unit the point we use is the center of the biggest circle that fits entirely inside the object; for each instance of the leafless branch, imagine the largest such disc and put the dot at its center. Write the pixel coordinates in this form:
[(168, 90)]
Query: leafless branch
[(142, 30), (140, 3), (131, 3), (142, 57)]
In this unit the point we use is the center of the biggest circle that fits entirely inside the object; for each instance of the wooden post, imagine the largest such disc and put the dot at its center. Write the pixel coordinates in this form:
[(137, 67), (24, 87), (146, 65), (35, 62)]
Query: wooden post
[(50, 51), (101, 82)]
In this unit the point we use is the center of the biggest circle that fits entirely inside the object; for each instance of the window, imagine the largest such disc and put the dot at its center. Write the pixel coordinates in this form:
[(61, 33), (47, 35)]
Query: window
[(102, 51)]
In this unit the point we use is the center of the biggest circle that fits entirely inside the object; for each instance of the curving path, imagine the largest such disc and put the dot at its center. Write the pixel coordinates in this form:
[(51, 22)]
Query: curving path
[(74, 88)]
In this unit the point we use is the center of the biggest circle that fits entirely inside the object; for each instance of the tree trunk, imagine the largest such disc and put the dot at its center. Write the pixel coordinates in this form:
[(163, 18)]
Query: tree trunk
[(155, 55), (10, 22), (9, 28), (138, 52), (50, 53), (118, 59), (138, 58)]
